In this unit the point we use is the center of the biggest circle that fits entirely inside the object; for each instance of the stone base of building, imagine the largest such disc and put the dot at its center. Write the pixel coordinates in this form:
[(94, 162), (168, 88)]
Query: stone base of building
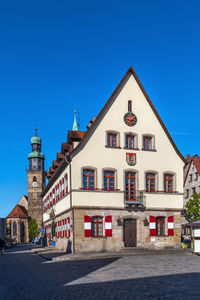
[(139, 226)]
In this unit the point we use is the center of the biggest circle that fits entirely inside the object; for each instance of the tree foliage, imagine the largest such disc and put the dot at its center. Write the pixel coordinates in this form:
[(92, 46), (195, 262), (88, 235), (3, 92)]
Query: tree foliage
[(192, 209), (33, 229)]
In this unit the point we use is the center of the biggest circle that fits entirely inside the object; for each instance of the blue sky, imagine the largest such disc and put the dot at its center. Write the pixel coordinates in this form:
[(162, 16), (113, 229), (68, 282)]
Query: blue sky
[(57, 55)]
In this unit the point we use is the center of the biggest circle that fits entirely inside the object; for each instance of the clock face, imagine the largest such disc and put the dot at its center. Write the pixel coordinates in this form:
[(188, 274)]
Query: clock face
[(34, 183), (130, 119)]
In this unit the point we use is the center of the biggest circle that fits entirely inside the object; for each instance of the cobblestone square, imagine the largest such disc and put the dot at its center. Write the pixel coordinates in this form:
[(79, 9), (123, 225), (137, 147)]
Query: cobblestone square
[(25, 275)]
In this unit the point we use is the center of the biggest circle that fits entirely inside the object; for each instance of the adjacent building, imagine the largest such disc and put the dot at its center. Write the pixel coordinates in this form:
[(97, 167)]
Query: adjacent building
[(191, 185), (17, 221), (120, 183), (2, 227)]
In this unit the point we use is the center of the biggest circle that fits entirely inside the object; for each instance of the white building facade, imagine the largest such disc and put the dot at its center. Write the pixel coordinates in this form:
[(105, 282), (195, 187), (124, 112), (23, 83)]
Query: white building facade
[(122, 184)]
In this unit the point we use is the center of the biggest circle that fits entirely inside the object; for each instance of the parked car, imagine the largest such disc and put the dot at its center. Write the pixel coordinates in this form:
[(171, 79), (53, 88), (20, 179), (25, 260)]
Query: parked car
[(37, 240), (9, 243)]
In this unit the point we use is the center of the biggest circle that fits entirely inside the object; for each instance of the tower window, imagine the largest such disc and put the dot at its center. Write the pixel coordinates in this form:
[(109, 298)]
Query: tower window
[(34, 179)]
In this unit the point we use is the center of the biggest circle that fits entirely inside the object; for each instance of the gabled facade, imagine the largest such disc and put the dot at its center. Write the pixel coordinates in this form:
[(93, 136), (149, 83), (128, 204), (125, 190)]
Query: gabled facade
[(191, 184), (121, 184)]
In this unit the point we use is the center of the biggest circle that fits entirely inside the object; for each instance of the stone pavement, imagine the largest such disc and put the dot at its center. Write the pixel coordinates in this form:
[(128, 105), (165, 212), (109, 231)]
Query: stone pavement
[(56, 255), (25, 275)]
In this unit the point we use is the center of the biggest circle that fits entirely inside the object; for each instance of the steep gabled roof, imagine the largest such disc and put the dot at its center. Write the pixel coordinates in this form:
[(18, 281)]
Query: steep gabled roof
[(196, 160), (128, 73), (18, 211)]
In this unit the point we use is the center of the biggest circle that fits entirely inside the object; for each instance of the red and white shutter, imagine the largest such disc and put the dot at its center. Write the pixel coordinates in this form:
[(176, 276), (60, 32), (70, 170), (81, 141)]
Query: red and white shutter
[(152, 225), (170, 220), (60, 189), (108, 226), (68, 226), (65, 227), (63, 188), (60, 232), (53, 196), (66, 184), (87, 226)]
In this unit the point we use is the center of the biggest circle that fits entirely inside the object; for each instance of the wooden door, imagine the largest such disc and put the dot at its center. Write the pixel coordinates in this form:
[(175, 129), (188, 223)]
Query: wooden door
[(130, 233)]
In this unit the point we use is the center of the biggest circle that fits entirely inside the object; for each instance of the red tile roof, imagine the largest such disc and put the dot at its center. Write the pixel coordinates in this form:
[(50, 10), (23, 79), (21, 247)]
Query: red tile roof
[(75, 135), (18, 211)]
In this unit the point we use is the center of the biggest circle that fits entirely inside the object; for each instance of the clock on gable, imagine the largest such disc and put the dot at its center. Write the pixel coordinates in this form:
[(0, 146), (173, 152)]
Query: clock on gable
[(130, 118)]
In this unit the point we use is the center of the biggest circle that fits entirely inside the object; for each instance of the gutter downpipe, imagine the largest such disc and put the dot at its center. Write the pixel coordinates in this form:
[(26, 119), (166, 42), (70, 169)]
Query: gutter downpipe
[(70, 176)]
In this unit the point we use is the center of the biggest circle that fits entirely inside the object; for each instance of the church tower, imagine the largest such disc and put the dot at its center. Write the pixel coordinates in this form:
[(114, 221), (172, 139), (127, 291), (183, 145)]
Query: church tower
[(36, 180)]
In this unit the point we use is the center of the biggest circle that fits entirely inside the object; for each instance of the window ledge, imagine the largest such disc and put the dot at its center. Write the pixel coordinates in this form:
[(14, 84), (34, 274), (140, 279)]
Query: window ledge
[(135, 149), (161, 192), (85, 189), (114, 190), (150, 150), (106, 146), (98, 237)]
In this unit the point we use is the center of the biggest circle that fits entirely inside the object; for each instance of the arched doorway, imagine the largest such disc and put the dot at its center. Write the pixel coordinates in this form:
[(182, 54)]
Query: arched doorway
[(22, 232), (130, 233)]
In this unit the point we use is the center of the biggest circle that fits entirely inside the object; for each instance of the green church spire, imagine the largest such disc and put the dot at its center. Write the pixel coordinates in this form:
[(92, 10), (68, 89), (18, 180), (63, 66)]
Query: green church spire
[(75, 124)]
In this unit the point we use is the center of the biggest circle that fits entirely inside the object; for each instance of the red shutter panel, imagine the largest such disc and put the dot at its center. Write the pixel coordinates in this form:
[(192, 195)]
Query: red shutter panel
[(68, 226), (63, 188), (65, 227), (108, 226), (170, 225), (87, 226), (152, 225), (63, 233), (66, 184), (60, 230)]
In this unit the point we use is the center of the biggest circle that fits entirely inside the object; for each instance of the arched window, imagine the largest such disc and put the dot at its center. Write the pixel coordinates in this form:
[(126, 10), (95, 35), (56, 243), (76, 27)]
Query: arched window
[(14, 228), (97, 226), (34, 179)]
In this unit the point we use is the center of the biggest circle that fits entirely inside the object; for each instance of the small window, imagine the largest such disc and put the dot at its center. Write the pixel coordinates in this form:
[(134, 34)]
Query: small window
[(190, 178), (168, 183), (160, 226), (148, 143), (187, 193), (193, 190), (88, 179), (112, 140), (130, 141), (183, 229), (129, 106), (97, 226), (109, 180), (150, 182), (196, 176), (34, 179)]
